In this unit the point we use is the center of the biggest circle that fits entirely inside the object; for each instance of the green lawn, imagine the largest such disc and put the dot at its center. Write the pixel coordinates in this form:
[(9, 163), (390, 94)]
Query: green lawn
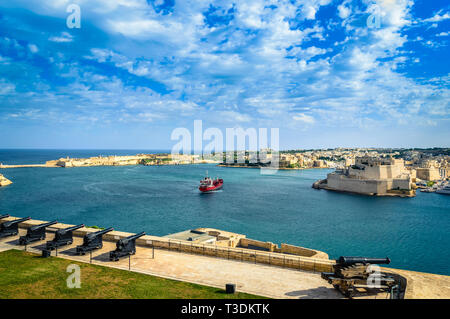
[(27, 275)]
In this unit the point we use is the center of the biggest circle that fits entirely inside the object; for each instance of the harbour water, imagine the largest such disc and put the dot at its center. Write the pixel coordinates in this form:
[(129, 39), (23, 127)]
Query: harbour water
[(413, 232)]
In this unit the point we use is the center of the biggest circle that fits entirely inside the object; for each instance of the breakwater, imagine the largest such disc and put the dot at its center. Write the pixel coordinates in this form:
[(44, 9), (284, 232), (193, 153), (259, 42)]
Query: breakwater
[(4, 181)]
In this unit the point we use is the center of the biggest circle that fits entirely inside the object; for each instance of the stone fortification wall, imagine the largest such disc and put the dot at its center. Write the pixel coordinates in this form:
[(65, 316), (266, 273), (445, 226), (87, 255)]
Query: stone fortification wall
[(343, 183)]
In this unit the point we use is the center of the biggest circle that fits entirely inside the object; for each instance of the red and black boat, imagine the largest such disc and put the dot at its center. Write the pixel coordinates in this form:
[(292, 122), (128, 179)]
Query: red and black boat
[(208, 184)]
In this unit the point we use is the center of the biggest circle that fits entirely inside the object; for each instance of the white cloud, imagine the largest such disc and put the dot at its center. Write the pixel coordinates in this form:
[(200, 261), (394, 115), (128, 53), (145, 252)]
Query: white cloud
[(343, 11), (442, 34), (6, 87), (438, 17), (33, 48), (64, 37), (301, 117)]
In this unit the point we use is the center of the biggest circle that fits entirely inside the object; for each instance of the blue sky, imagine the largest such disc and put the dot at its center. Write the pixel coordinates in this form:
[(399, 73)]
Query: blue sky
[(137, 69)]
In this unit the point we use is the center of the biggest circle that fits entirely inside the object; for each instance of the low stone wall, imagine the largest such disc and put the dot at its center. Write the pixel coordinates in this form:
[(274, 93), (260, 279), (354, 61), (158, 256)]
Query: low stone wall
[(241, 254), (285, 248), (245, 242), (354, 185), (301, 251)]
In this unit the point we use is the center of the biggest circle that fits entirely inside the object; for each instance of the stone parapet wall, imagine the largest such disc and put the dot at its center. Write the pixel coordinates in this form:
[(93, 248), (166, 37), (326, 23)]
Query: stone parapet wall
[(302, 251)]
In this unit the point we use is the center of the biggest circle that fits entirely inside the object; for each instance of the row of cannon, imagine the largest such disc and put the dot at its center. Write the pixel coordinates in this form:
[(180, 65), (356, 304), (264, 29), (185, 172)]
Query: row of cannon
[(64, 237)]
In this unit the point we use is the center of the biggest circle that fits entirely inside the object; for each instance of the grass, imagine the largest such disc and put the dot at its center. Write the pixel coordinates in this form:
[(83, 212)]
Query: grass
[(25, 275)]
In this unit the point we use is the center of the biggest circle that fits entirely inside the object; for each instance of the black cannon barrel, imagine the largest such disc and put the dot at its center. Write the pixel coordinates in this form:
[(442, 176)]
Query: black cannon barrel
[(68, 229), (99, 233), (343, 260), (4, 216), (132, 237), (16, 221), (36, 227)]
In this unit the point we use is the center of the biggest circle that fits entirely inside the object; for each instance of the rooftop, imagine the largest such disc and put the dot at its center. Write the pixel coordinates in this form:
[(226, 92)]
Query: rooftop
[(193, 235)]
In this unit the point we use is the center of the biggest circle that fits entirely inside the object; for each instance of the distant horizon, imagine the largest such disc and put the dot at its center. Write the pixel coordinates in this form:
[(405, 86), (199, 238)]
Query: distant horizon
[(196, 151)]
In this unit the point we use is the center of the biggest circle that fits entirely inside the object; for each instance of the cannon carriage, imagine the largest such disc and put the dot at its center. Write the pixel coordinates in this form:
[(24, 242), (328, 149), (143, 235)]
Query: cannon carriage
[(11, 228), (63, 237), (35, 233), (92, 241), (125, 247)]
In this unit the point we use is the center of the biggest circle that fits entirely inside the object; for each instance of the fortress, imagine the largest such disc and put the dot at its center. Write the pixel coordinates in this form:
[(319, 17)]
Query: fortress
[(372, 176)]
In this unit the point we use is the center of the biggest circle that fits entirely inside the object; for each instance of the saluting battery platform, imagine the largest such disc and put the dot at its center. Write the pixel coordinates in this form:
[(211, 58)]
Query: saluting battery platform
[(351, 275)]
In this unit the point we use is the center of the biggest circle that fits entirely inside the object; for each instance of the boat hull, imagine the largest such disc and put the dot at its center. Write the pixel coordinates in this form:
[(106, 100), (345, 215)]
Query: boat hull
[(211, 188)]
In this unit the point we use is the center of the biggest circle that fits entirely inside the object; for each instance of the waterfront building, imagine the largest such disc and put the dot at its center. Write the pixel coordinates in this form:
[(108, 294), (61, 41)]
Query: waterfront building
[(372, 176), (428, 174)]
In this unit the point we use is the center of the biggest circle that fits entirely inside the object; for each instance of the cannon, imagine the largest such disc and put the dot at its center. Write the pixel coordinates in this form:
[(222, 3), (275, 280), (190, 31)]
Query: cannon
[(125, 247), (4, 216), (92, 241), (11, 228), (35, 233), (356, 274), (348, 261), (62, 237)]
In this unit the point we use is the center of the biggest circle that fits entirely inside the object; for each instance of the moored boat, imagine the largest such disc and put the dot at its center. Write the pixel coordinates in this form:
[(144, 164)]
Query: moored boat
[(444, 190)]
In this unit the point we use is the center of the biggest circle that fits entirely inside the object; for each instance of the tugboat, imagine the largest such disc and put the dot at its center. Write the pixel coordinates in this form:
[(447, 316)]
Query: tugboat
[(208, 185)]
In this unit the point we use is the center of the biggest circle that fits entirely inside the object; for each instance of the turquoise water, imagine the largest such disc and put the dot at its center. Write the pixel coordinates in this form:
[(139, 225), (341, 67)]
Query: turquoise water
[(413, 232)]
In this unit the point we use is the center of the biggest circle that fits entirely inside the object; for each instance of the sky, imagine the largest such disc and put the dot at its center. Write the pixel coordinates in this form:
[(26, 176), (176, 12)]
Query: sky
[(327, 73)]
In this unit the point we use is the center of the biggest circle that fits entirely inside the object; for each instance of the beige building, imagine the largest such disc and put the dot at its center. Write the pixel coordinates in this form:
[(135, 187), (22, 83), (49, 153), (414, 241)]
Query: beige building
[(319, 163), (288, 159), (428, 174), (372, 176), (349, 162)]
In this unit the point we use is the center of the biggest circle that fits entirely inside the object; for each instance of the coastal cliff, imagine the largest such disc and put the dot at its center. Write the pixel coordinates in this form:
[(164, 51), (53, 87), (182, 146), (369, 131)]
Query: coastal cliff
[(4, 181)]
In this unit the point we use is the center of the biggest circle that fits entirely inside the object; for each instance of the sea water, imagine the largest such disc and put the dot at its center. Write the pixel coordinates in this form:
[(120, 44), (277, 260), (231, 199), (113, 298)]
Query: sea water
[(281, 208)]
